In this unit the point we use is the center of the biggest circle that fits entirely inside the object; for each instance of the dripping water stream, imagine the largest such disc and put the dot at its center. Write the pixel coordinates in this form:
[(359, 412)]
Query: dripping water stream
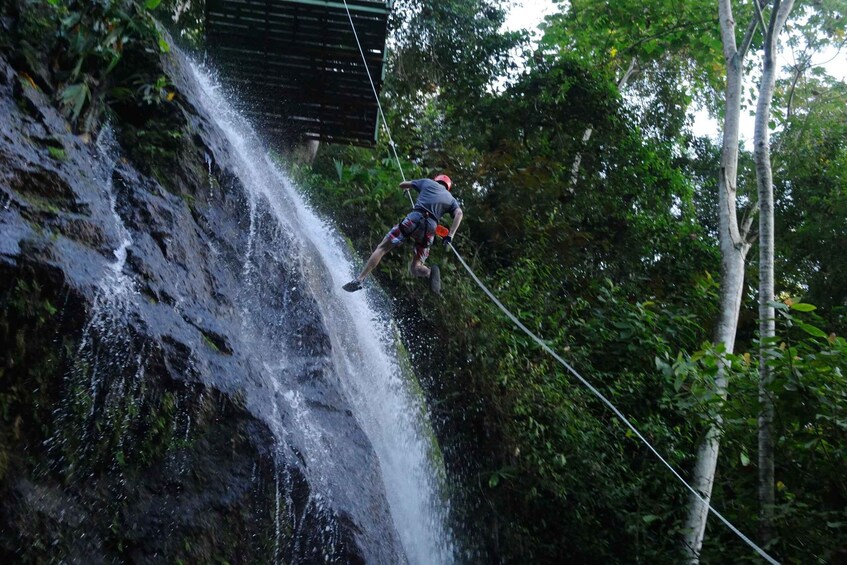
[(363, 346)]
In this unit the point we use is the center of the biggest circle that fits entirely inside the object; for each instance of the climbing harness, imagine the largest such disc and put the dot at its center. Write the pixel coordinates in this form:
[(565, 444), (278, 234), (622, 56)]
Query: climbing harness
[(547, 348), (419, 225)]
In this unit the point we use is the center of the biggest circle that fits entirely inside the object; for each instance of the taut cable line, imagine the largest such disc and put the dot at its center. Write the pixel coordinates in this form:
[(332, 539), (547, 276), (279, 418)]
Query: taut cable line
[(552, 353)]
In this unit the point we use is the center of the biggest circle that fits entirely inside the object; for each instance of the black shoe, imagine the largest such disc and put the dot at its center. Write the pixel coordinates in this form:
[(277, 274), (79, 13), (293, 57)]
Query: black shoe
[(435, 279), (353, 286)]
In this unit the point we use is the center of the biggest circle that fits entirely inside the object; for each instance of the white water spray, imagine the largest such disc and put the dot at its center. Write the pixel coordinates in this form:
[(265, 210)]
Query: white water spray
[(363, 345), (116, 282)]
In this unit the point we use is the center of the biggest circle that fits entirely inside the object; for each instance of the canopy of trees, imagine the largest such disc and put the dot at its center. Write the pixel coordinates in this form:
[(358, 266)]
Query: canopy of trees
[(591, 210)]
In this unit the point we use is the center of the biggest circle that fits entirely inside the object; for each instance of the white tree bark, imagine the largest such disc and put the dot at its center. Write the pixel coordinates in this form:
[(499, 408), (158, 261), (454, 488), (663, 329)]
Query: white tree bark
[(734, 247), (764, 181)]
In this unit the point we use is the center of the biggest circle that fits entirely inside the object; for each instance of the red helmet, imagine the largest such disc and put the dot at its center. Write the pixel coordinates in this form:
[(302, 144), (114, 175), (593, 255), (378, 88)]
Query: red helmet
[(445, 180)]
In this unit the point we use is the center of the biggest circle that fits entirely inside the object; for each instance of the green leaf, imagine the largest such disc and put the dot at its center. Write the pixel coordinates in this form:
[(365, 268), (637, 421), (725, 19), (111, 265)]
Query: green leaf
[(649, 518), (74, 96), (152, 4), (120, 93), (57, 153), (163, 46), (811, 330), (803, 307), (745, 459), (494, 480), (50, 308), (113, 63)]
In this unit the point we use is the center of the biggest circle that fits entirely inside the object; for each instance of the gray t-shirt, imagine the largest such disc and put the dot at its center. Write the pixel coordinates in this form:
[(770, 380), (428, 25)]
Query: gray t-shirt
[(434, 198)]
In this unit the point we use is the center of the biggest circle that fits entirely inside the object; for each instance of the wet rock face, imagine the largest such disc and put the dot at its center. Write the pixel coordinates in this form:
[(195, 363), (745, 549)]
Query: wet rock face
[(138, 417)]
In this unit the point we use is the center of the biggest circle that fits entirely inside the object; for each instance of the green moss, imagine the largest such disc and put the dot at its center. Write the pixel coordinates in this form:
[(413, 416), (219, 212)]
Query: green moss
[(57, 153), (32, 356), (208, 341), (41, 204), (156, 144)]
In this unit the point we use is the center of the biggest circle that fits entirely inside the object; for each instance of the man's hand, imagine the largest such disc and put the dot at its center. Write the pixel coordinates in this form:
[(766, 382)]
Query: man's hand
[(406, 185), (446, 241)]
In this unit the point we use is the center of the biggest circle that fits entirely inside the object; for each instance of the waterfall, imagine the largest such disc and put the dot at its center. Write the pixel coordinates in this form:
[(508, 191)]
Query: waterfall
[(108, 368), (363, 341)]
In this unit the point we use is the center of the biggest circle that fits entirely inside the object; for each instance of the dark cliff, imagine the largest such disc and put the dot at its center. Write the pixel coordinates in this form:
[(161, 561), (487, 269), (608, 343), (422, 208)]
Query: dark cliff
[(136, 285)]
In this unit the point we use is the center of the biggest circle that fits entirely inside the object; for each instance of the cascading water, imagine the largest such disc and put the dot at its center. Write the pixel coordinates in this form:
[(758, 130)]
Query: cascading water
[(363, 358), (105, 346)]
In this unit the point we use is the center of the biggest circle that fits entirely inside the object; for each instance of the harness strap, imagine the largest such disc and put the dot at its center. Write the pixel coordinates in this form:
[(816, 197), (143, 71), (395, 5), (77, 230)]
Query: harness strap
[(426, 213), (425, 217)]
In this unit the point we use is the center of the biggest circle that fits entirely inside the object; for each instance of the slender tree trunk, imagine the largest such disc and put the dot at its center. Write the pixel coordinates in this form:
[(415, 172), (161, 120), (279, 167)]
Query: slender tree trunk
[(734, 247), (764, 180), (586, 135)]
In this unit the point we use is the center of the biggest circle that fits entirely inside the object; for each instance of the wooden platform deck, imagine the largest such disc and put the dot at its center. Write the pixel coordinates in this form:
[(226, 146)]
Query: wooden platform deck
[(296, 65)]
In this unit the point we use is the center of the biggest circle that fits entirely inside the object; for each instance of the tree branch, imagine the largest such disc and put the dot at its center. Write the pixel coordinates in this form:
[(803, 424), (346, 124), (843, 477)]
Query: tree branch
[(798, 71), (734, 234), (628, 73), (760, 15), (747, 234), (772, 24), (692, 26), (751, 30)]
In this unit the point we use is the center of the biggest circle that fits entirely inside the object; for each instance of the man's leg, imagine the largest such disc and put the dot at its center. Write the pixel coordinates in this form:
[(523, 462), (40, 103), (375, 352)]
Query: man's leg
[(418, 269), (384, 247)]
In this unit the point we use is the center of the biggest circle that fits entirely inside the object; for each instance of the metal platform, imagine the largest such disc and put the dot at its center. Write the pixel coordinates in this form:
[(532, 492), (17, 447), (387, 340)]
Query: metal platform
[(296, 65)]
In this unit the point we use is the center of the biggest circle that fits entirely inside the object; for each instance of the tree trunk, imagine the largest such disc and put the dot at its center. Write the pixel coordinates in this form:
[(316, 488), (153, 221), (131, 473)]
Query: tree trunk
[(734, 248), (586, 135), (764, 180)]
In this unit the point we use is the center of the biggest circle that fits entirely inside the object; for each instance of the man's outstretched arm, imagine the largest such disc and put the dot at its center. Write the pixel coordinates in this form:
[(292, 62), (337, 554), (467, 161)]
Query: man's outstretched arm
[(457, 219)]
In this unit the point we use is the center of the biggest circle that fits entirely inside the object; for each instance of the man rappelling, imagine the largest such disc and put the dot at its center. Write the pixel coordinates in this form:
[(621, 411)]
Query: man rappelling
[(434, 200)]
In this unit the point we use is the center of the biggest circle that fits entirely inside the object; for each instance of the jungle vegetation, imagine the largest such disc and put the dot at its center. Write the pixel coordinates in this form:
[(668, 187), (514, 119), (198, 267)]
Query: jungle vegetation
[(592, 211)]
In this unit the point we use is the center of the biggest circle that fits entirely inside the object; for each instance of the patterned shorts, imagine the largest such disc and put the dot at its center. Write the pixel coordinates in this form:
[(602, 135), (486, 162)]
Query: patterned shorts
[(414, 227)]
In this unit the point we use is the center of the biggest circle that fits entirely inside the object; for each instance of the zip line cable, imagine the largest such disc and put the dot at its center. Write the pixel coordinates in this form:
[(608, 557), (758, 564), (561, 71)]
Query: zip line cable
[(611, 406), (548, 349)]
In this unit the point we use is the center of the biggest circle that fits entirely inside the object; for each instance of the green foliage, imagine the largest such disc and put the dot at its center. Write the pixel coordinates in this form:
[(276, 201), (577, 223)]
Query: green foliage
[(101, 58), (662, 40), (552, 444), (186, 21), (73, 98), (810, 402), (91, 40), (453, 47), (614, 271), (447, 55), (810, 163), (57, 153), (105, 57), (32, 354), (811, 414)]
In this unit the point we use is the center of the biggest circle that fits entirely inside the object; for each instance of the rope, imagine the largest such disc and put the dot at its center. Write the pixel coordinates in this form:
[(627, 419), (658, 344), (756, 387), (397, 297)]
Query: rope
[(611, 406), (376, 96), (550, 351)]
